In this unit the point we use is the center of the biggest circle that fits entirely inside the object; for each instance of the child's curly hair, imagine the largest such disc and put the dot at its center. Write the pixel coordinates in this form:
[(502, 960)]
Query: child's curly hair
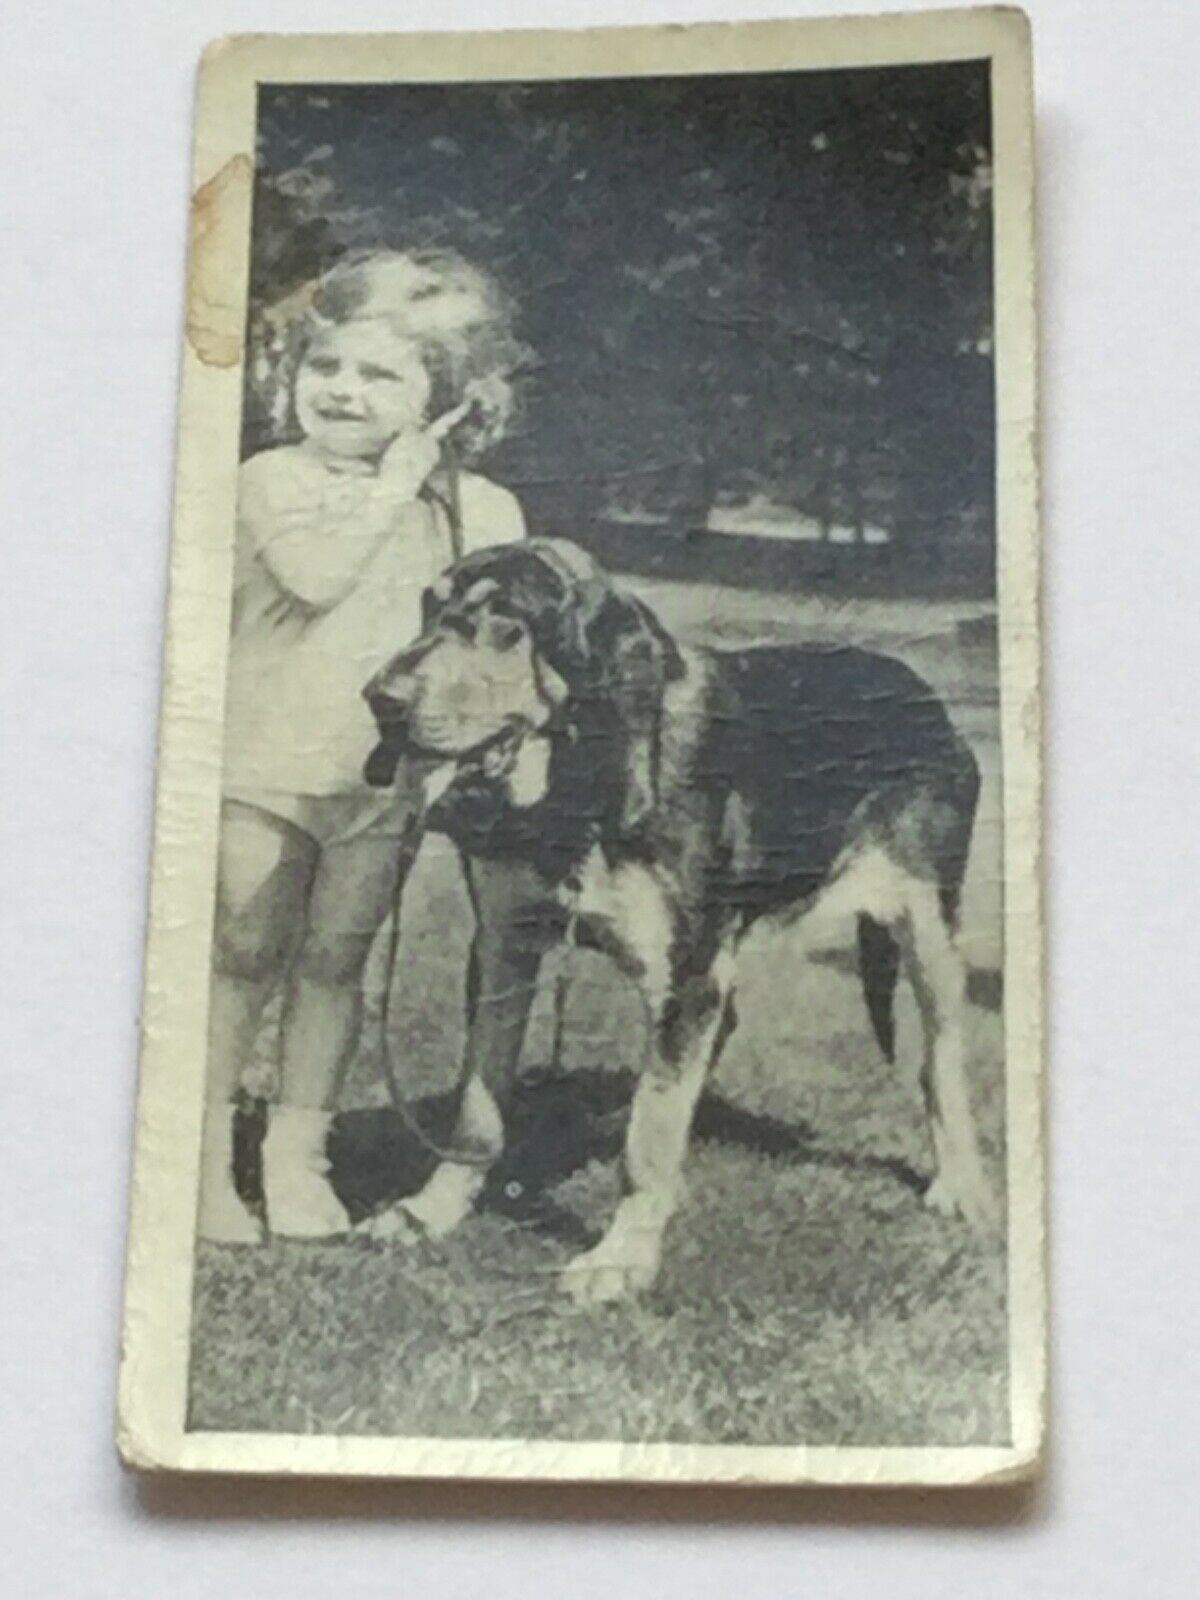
[(455, 312)]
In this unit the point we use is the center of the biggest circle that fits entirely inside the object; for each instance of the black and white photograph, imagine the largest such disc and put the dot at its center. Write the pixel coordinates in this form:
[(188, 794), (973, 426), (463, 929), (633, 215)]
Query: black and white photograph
[(598, 827), (603, 770)]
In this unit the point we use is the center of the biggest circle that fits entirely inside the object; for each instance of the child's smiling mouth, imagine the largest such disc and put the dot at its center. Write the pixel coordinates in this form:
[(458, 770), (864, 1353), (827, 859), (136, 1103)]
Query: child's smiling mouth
[(338, 414)]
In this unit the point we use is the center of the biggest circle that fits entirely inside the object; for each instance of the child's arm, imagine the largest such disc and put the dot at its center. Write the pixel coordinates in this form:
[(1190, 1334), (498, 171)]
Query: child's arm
[(315, 545), (317, 534)]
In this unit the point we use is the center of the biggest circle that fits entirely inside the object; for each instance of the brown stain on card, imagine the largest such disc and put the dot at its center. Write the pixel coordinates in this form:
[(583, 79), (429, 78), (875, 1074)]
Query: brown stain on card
[(218, 224)]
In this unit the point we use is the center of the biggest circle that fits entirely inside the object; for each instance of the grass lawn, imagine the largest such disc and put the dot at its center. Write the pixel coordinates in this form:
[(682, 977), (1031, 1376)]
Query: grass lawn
[(806, 1295)]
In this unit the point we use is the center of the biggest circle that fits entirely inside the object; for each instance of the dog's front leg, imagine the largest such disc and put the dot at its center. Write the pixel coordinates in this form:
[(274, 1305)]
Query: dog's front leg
[(689, 1024), (517, 921)]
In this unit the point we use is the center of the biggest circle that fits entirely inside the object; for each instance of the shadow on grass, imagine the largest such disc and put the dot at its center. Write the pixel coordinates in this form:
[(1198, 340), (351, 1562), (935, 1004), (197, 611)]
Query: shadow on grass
[(558, 1123)]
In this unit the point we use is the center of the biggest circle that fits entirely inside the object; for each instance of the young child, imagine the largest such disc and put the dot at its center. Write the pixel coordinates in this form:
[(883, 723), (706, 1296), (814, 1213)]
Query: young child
[(401, 356)]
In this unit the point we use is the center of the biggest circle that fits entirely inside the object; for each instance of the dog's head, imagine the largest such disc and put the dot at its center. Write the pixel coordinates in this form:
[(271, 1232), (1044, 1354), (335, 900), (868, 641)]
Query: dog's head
[(518, 642)]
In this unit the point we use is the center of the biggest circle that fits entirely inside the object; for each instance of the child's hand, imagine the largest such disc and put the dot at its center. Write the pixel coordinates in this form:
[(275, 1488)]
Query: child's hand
[(411, 457)]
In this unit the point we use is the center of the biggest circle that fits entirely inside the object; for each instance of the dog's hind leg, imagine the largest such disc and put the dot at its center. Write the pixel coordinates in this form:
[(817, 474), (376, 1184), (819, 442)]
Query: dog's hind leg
[(938, 976)]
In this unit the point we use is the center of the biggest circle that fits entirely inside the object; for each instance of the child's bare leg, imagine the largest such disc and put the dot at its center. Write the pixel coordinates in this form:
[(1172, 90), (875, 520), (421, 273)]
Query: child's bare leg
[(354, 888), (264, 870)]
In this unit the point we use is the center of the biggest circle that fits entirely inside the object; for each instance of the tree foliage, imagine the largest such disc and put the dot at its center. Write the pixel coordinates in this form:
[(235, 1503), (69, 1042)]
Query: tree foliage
[(777, 284)]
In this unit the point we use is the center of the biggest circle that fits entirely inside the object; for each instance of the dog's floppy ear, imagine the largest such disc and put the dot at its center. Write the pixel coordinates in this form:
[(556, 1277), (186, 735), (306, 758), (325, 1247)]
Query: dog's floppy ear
[(609, 648), (637, 659), (562, 619)]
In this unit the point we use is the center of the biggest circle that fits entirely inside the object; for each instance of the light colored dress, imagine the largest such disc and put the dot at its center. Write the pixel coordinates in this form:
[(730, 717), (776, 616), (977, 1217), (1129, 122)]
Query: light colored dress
[(320, 602)]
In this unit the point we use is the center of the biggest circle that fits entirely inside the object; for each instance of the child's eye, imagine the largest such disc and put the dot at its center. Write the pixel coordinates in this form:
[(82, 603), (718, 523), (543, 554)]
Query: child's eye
[(376, 374), (325, 365)]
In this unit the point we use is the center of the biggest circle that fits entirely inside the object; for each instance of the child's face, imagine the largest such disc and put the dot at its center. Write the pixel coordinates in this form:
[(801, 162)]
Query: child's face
[(358, 387)]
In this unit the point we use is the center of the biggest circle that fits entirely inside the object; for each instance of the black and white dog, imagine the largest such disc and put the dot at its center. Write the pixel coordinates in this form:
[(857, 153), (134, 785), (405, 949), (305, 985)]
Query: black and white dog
[(654, 801)]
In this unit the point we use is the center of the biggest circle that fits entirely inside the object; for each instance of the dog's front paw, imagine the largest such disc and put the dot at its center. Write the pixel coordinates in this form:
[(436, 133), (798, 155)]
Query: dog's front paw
[(607, 1274), (396, 1226), (970, 1198), (433, 1213), (446, 1200)]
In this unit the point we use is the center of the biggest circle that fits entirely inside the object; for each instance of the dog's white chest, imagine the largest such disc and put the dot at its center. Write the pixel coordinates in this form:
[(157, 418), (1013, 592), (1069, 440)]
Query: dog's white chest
[(526, 773), (626, 909), (620, 893)]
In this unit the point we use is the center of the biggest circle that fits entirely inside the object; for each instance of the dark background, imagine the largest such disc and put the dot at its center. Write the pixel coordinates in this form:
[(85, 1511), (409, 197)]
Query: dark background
[(773, 285)]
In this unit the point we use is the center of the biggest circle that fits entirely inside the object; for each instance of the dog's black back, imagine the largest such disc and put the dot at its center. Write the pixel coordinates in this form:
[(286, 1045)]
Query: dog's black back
[(816, 741), (813, 741)]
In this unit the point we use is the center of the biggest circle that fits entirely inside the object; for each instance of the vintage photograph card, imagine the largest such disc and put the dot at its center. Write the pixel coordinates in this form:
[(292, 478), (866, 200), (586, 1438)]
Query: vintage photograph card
[(593, 1000)]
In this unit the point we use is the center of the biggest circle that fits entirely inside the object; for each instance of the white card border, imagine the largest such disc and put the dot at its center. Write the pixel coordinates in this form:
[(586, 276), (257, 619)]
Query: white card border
[(158, 1290)]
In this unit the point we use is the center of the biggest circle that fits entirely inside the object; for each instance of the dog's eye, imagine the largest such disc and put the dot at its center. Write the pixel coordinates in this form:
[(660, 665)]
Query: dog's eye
[(507, 632), (455, 622)]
